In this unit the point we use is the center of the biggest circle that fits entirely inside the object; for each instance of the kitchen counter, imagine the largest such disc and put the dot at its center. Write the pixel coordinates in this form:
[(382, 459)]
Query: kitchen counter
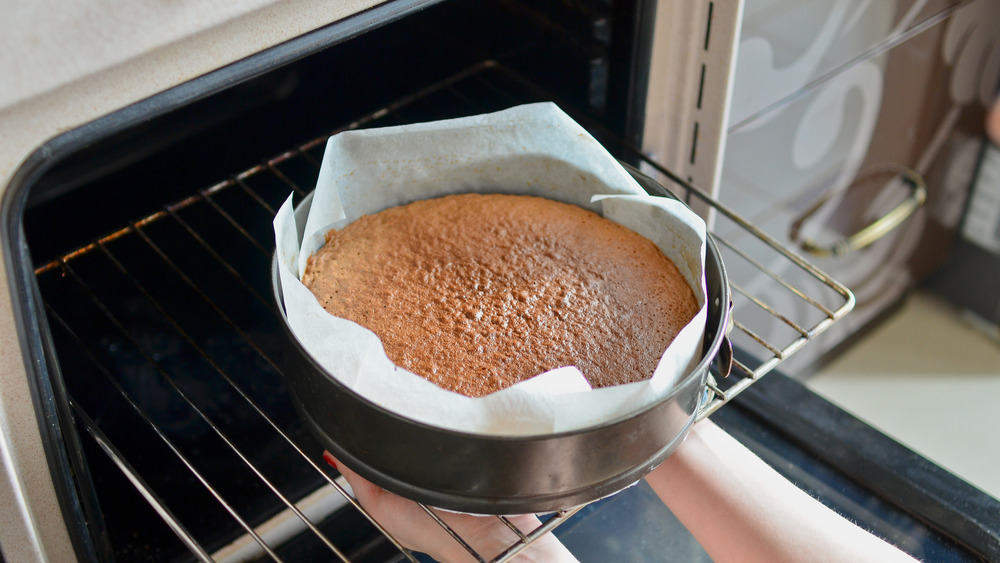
[(930, 378)]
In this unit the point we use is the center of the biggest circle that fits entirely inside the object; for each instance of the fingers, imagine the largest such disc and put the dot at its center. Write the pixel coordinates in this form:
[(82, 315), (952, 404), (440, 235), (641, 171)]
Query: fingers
[(371, 496), (402, 518), (328, 457)]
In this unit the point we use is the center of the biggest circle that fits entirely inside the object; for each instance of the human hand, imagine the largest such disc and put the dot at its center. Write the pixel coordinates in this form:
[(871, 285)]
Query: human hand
[(415, 529)]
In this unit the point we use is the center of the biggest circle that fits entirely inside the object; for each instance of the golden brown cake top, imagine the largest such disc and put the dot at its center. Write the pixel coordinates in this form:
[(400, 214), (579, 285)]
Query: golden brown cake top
[(478, 292)]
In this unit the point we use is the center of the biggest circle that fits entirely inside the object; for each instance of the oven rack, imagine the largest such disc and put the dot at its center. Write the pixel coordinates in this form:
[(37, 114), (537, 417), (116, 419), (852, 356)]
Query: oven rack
[(242, 206), (827, 299)]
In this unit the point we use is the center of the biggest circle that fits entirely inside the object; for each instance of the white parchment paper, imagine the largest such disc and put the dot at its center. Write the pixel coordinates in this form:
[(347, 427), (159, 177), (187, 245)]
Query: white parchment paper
[(534, 149)]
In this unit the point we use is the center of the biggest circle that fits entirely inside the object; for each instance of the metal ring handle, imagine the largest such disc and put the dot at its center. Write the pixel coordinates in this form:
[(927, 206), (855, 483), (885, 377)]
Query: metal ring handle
[(876, 230)]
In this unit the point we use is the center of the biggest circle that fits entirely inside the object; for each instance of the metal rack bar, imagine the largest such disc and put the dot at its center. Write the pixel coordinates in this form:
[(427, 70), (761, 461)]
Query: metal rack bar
[(220, 260), (140, 484), (280, 175), (763, 305), (527, 539), (206, 195), (201, 413), (510, 525), (760, 339), (158, 505), (454, 535), (284, 526), (784, 283)]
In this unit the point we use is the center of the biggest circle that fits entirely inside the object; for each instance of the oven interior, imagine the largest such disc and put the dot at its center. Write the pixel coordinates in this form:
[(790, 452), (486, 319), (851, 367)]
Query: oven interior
[(146, 244)]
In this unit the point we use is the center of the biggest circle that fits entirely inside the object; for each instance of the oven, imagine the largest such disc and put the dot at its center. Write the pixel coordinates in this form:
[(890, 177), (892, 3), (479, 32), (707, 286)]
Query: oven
[(144, 411)]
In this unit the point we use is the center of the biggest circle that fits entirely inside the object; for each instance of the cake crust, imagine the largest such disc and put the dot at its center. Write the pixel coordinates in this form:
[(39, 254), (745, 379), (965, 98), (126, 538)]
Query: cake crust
[(476, 292)]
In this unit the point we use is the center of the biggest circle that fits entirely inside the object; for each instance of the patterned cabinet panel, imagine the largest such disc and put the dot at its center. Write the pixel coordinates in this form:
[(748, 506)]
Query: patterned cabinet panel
[(853, 136)]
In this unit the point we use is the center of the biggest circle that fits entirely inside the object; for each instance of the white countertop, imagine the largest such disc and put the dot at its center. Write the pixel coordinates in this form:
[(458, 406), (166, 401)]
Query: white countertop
[(50, 43), (929, 378), (65, 64)]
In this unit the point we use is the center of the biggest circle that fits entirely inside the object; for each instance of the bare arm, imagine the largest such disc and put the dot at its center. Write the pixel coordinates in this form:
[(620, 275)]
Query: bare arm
[(739, 509)]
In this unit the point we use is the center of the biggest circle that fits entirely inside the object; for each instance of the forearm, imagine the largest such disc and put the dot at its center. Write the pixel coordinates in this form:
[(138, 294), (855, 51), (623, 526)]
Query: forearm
[(739, 509)]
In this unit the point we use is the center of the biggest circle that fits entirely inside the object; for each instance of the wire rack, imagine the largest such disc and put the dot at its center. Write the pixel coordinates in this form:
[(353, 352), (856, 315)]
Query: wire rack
[(169, 320), (810, 300)]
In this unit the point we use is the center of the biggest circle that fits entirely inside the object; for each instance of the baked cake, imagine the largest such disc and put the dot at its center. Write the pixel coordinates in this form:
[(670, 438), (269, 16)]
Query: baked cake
[(476, 292)]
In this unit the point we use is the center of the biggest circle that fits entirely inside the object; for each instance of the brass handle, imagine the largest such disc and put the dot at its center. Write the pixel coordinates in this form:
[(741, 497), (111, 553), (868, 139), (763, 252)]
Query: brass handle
[(878, 229)]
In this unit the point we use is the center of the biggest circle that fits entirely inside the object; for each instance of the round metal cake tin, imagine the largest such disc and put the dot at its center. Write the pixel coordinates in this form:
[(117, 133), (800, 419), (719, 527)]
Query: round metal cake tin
[(485, 474)]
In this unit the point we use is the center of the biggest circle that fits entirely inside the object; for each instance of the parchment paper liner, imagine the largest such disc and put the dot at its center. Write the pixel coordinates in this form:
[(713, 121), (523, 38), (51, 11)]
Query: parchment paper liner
[(534, 149)]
